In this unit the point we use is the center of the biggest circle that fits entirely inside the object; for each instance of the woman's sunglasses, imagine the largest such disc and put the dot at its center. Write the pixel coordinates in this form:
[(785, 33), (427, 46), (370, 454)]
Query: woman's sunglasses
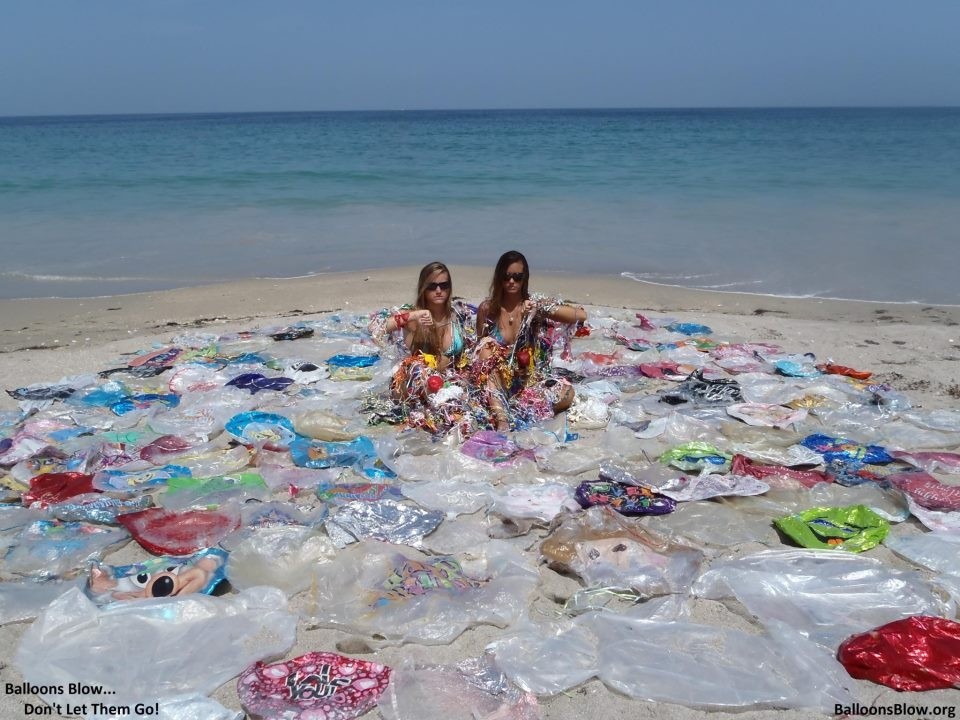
[(439, 286), (516, 277)]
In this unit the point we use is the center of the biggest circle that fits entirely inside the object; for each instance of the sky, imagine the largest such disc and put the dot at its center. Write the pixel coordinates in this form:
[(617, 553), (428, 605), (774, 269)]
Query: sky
[(61, 57)]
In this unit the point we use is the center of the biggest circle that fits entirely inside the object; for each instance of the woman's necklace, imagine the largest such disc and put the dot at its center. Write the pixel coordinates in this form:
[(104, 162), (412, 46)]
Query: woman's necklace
[(513, 315)]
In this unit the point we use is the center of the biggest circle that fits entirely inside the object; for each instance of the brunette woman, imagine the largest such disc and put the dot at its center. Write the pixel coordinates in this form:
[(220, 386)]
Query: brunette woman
[(513, 355)]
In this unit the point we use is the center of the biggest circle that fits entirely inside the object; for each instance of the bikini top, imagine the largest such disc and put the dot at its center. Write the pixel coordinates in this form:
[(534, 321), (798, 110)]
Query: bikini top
[(524, 333), (496, 334), (456, 340)]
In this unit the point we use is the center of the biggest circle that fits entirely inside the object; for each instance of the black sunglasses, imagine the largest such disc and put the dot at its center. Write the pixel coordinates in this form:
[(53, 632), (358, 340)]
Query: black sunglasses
[(439, 286), (516, 277)]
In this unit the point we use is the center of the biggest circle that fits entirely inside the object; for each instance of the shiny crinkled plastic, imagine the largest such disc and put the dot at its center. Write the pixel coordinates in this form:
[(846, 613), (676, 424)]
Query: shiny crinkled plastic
[(315, 686), (625, 499), (834, 369), (205, 641), (97, 508), (852, 473), (283, 556), (674, 661), (838, 448), (342, 493), (494, 447), (826, 596), (386, 520), (718, 523), (927, 491), (800, 366), (50, 549), (936, 551), (20, 447), (742, 465), (351, 374), (604, 548), (185, 492), (917, 653), (703, 391), (164, 532), (262, 429), (163, 357), (470, 690), (688, 488), (946, 462), (766, 415), (165, 446), (144, 402), (342, 360), (61, 390), (51, 488), (317, 455), (110, 480), (292, 332), (533, 502), (395, 595), (940, 521), (25, 599), (854, 528), (323, 425), (890, 505), (688, 328), (697, 456), (301, 371), (256, 382), (453, 498), (790, 456)]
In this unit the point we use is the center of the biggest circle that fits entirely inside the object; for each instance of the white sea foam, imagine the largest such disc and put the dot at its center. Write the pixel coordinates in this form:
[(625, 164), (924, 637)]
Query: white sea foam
[(16, 274), (638, 277)]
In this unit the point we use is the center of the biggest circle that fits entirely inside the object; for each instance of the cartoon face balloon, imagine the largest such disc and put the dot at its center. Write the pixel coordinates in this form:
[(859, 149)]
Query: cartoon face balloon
[(157, 577)]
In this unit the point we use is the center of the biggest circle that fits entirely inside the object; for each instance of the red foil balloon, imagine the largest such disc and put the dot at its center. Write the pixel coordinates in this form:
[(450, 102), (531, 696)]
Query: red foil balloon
[(165, 532), (434, 383), (919, 653), (523, 358), (52, 488)]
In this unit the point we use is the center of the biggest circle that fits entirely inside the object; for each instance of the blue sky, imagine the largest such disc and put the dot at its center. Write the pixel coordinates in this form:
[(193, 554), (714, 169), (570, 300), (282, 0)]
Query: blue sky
[(142, 56)]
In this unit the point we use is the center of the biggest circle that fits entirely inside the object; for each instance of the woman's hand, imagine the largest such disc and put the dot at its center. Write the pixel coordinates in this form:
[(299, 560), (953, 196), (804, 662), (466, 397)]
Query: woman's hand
[(529, 306), (424, 317)]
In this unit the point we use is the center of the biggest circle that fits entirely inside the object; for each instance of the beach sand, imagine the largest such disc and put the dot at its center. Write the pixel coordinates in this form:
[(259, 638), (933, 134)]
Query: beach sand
[(914, 348)]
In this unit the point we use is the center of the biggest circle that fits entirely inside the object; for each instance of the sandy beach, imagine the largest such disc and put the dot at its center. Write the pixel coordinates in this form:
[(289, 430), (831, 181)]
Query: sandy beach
[(913, 348)]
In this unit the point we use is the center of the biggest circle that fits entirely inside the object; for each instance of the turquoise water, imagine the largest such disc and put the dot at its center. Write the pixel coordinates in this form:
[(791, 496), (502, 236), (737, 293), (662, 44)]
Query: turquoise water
[(852, 203)]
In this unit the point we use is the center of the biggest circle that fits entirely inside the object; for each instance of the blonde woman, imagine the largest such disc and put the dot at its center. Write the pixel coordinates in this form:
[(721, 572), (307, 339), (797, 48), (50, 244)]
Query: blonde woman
[(430, 384), (432, 327)]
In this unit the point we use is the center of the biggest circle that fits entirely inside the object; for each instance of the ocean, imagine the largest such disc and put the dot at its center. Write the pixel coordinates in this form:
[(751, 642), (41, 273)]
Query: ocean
[(839, 203)]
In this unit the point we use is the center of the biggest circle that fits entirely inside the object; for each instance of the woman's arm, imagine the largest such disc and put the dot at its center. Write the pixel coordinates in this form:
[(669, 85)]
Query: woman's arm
[(568, 314), (408, 320), (396, 321), (482, 319)]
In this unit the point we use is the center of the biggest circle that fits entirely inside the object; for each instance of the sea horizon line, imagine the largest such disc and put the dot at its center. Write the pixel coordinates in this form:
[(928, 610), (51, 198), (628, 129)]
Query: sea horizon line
[(505, 110)]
